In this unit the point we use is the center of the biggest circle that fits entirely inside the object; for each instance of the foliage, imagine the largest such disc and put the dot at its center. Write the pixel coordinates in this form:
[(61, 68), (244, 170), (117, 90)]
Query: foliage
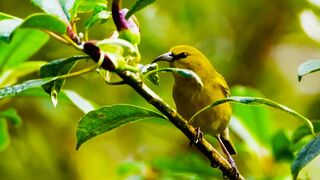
[(59, 20)]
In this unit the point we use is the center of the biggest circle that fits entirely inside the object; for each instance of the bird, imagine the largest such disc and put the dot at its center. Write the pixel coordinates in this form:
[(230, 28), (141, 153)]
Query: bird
[(191, 96)]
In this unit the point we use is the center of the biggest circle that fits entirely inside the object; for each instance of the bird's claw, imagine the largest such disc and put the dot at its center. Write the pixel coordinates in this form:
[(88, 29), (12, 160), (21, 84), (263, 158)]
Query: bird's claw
[(199, 136)]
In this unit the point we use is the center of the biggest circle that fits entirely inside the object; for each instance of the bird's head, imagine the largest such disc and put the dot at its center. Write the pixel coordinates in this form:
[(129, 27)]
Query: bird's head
[(184, 57)]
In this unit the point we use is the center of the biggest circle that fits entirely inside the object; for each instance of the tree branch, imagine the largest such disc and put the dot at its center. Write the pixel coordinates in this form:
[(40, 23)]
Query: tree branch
[(204, 146)]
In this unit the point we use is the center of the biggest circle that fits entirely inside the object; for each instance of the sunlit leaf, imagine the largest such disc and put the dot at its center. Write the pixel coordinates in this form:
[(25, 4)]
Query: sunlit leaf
[(306, 155), (308, 67), (256, 119), (82, 103), (140, 4), (281, 147), (56, 68), (86, 6), (107, 118), (11, 75), (25, 43), (8, 24), (310, 23), (303, 131), (98, 17), (16, 89), (57, 8), (45, 22), (257, 101)]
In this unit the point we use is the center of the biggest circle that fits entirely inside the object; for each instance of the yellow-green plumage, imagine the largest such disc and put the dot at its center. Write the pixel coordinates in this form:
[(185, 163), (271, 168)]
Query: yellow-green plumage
[(189, 96)]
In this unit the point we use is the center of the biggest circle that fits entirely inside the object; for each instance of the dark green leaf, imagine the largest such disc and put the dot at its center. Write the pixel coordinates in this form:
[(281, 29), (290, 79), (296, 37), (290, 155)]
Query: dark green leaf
[(258, 101), (45, 22), (308, 67), (140, 4), (16, 89), (24, 44), (98, 17), (281, 147), (11, 115), (256, 119), (107, 118), (8, 24), (306, 154), (56, 68), (58, 8), (303, 131)]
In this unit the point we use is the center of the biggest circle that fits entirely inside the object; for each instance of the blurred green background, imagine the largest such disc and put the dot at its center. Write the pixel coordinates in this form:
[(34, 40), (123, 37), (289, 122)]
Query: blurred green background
[(255, 44)]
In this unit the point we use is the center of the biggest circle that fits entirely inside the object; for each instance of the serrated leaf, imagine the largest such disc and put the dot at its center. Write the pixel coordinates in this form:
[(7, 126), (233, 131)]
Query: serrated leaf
[(107, 118), (58, 8), (257, 101), (140, 4), (16, 89), (45, 22), (98, 17), (307, 67), (303, 131), (306, 155), (25, 43), (281, 147), (56, 68)]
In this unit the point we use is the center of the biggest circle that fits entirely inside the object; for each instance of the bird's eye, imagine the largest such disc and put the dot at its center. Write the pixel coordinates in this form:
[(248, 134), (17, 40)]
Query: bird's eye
[(182, 55)]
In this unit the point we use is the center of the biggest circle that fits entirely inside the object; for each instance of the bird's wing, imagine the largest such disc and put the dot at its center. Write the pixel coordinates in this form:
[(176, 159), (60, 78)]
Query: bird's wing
[(224, 86)]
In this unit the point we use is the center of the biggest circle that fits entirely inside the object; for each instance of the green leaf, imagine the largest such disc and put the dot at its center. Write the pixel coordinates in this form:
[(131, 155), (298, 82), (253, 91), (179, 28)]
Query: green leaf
[(11, 115), (257, 101), (303, 131), (154, 77), (86, 6), (58, 8), (107, 118), (182, 72), (98, 17), (56, 68), (4, 134), (45, 22), (16, 89), (307, 67), (281, 147), (140, 4), (8, 25), (82, 103), (248, 116), (11, 75), (24, 44), (306, 154)]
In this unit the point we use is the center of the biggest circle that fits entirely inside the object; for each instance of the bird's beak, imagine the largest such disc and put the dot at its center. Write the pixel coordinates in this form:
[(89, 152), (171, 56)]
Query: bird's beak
[(165, 57)]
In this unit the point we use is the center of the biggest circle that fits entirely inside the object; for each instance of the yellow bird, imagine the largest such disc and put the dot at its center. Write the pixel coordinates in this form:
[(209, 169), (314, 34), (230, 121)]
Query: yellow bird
[(190, 96)]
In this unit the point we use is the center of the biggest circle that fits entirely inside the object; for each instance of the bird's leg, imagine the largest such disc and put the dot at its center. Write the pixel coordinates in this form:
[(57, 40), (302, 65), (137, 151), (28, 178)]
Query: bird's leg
[(199, 136), (229, 158)]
